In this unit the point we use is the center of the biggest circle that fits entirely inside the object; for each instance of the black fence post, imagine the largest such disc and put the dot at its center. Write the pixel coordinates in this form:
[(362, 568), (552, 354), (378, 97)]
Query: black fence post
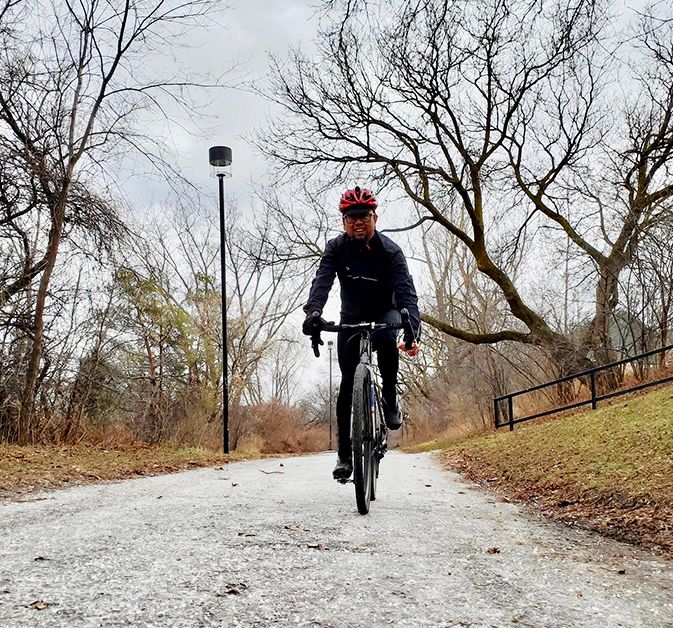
[(510, 408), (592, 378), (496, 412)]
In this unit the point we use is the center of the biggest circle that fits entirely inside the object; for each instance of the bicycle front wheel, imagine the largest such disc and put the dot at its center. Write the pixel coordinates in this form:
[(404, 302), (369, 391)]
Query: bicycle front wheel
[(376, 446), (363, 442)]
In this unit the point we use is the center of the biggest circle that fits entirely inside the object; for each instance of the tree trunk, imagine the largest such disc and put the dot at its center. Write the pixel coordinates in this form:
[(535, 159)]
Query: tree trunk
[(26, 425), (606, 300)]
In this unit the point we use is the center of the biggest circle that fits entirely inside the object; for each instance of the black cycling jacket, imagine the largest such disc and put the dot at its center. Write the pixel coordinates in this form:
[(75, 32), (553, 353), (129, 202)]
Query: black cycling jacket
[(373, 275)]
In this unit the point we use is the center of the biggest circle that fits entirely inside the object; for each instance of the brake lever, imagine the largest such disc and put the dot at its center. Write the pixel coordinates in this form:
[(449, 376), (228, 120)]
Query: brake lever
[(409, 336), (315, 344), (316, 341)]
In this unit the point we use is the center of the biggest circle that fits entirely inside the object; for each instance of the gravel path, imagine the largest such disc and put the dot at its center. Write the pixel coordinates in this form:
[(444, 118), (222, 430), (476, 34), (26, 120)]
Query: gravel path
[(278, 542)]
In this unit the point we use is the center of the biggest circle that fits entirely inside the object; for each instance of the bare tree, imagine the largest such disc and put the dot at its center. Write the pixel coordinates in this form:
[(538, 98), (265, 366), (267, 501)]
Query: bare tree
[(169, 312), (648, 288), (628, 188), (71, 87), (266, 287), (489, 117)]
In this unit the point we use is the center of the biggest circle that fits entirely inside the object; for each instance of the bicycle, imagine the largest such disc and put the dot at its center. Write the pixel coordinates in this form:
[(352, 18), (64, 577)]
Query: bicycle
[(369, 434)]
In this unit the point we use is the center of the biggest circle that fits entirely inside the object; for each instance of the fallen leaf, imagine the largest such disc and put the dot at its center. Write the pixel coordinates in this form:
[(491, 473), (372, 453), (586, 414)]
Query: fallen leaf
[(233, 588), (40, 605), (493, 550), (247, 533)]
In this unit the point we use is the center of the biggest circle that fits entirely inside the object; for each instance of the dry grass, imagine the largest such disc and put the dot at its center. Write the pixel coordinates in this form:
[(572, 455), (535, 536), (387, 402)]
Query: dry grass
[(279, 430), (443, 418), (115, 453), (27, 469), (610, 470)]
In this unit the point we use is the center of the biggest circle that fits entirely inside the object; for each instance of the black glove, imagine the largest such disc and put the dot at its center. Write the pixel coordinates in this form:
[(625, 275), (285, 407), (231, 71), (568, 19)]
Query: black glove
[(312, 324)]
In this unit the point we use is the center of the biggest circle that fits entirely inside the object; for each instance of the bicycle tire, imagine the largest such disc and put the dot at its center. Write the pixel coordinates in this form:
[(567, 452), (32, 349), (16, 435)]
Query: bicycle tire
[(376, 439), (363, 450)]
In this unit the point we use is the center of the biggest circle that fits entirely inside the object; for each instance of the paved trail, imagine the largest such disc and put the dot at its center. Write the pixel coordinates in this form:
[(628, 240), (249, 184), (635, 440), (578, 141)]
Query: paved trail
[(179, 550)]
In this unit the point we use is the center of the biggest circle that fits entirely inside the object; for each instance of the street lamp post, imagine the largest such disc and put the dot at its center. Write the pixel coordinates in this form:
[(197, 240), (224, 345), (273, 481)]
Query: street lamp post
[(220, 162), (330, 344)]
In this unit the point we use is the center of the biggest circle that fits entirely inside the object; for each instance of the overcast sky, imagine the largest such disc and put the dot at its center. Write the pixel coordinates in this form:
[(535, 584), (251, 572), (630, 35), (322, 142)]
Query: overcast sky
[(243, 35)]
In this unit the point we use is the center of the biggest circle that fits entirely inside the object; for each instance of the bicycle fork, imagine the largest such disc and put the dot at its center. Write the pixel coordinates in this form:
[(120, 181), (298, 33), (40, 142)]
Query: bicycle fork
[(380, 437)]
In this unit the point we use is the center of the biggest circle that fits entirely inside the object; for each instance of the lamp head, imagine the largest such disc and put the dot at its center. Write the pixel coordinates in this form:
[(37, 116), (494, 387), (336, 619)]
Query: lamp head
[(220, 161)]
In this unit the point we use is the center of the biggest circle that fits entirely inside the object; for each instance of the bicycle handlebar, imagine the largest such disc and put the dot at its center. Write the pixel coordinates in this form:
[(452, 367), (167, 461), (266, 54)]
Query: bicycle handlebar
[(409, 336)]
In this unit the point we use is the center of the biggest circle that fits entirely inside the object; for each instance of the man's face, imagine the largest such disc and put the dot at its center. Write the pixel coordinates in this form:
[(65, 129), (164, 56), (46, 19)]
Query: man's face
[(360, 225)]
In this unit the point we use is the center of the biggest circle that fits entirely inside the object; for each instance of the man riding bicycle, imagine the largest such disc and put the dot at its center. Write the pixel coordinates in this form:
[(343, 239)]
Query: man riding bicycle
[(375, 284)]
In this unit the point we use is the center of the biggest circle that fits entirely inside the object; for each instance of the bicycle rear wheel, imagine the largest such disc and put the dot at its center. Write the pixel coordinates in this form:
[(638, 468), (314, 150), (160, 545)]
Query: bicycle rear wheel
[(363, 442)]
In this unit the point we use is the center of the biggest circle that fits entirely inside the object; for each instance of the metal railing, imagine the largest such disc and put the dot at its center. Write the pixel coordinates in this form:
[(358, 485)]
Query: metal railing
[(587, 378)]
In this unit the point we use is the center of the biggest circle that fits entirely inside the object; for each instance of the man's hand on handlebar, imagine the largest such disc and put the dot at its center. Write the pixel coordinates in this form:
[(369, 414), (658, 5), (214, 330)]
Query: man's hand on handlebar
[(313, 324), (411, 352), (409, 344)]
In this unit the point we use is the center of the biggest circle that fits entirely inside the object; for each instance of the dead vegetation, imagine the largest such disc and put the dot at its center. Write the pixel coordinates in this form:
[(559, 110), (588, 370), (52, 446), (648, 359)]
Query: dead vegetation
[(115, 453), (24, 470), (610, 470)]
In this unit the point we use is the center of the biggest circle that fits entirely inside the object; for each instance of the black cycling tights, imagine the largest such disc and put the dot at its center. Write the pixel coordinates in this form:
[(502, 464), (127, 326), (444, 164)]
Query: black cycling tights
[(348, 350)]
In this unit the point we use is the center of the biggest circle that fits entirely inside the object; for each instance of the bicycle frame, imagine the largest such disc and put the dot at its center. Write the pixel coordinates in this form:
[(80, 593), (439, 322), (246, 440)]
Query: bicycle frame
[(374, 390), (369, 438)]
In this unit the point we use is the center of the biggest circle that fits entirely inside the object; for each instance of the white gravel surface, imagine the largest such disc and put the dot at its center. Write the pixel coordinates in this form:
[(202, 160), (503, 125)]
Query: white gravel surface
[(277, 542)]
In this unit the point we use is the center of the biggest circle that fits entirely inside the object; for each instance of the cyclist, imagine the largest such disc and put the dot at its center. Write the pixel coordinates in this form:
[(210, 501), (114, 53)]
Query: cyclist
[(375, 284)]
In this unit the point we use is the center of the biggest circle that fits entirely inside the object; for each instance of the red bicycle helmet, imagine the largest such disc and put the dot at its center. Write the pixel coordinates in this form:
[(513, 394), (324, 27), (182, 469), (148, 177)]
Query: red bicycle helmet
[(357, 198)]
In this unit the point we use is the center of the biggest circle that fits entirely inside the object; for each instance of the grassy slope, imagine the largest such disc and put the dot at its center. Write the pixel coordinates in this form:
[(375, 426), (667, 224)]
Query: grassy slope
[(610, 470)]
